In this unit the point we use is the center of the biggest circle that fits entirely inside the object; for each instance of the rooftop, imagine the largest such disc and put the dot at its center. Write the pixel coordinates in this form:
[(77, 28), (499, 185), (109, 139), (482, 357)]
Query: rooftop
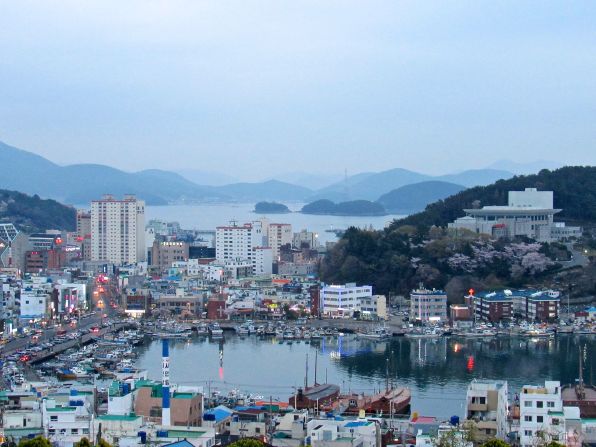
[(118, 417)]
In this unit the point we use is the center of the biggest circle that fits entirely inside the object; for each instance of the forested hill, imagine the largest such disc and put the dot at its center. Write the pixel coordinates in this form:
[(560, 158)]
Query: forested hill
[(32, 214), (574, 191)]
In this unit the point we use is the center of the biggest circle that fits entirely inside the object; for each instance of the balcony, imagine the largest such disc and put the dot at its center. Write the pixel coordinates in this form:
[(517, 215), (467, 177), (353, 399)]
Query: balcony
[(477, 407)]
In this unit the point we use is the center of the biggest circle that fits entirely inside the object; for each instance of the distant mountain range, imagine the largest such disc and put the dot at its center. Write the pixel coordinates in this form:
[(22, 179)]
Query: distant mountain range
[(371, 186), (81, 183), (413, 198)]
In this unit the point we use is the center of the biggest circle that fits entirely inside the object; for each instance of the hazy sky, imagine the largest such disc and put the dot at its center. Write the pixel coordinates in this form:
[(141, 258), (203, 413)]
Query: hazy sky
[(255, 87)]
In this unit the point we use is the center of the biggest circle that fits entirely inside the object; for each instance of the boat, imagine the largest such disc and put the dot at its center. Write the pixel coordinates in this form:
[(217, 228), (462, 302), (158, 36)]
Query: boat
[(202, 329), (378, 333), (215, 330), (289, 335)]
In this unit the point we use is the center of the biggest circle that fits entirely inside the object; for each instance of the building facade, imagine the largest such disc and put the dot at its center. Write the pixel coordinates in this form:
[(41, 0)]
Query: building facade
[(428, 305), (529, 213), (536, 404), (487, 406), (279, 234), (343, 300), (118, 230)]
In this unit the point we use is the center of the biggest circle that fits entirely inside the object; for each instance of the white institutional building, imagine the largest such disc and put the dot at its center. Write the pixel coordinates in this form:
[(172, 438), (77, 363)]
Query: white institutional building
[(528, 213), (343, 300), (118, 230)]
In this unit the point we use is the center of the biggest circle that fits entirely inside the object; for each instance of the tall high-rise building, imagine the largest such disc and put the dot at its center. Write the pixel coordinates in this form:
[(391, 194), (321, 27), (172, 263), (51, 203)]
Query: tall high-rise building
[(280, 234), (236, 242), (84, 233), (118, 230)]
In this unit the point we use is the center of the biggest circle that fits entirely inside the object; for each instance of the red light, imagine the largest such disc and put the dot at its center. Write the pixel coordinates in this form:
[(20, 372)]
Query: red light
[(471, 292), (58, 240), (470, 364), (79, 239)]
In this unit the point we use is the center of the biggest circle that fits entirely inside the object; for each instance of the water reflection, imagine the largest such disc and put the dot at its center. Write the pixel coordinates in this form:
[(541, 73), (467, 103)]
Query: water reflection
[(436, 370)]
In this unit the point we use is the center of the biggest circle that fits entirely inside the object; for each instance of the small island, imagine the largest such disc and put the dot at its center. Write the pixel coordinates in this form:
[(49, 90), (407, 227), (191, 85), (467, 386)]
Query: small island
[(271, 208), (351, 208)]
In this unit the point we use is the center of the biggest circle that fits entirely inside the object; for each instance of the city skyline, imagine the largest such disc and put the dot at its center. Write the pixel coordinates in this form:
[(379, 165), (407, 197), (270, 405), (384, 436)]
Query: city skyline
[(311, 88)]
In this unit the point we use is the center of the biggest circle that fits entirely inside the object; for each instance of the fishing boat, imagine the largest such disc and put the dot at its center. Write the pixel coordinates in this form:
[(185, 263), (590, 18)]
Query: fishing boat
[(215, 330), (378, 333)]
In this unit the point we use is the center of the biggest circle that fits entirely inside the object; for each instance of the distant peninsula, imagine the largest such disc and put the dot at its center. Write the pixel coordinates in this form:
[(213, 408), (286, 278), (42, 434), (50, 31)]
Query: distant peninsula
[(351, 208), (271, 208)]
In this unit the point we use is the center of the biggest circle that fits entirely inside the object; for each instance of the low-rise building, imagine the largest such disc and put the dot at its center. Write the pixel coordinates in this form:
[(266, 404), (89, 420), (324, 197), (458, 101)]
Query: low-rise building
[(487, 406), (374, 307), (428, 305), (343, 300), (541, 414), (344, 433), (186, 407)]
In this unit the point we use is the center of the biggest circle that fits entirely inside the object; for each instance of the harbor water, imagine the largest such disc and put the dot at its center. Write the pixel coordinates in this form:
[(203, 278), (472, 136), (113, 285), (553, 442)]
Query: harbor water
[(436, 370)]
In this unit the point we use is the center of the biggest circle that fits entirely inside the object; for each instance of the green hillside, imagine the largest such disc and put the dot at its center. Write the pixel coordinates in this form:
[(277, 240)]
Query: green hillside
[(32, 214), (574, 192)]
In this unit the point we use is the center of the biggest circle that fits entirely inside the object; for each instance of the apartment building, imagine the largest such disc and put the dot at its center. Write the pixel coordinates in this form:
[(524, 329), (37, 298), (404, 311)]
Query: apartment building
[(279, 234), (118, 230), (541, 414), (236, 242), (165, 253), (83, 233), (486, 405)]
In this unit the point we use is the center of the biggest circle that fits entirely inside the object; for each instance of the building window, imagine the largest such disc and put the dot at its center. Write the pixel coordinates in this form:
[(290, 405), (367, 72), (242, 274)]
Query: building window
[(528, 418), (539, 419), (550, 404), (527, 432), (539, 404), (53, 418), (528, 404)]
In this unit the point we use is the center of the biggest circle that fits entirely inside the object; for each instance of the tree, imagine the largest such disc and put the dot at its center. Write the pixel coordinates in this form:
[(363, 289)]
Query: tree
[(103, 443), (495, 443), (247, 442), (84, 442), (35, 442)]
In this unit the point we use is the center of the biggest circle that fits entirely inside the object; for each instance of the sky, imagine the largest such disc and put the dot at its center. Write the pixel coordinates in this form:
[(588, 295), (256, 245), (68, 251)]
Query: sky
[(256, 88)]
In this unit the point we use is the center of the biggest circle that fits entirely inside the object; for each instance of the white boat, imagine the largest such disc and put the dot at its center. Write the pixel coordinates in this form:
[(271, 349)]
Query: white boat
[(378, 333), (215, 330)]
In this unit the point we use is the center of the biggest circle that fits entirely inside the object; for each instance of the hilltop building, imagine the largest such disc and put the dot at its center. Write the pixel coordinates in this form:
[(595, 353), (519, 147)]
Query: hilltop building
[(118, 230), (528, 213)]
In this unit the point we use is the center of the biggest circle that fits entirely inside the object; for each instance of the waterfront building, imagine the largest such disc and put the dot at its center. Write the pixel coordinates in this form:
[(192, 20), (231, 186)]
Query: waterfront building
[(541, 414), (291, 430), (118, 230), (529, 213), (491, 306), (343, 300), (20, 423), (428, 305), (279, 234), (374, 307), (179, 303), (529, 304), (119, 428), (137, 303), (487, 406)]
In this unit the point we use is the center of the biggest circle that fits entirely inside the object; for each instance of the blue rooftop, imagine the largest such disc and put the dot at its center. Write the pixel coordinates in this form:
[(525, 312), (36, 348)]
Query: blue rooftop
[(217, 414)]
